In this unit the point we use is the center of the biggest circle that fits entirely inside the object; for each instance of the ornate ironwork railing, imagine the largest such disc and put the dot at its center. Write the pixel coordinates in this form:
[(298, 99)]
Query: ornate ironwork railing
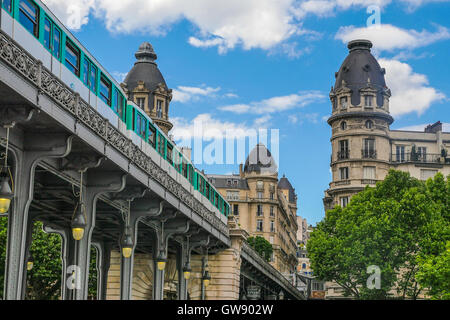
[(343, 154), (368, 154), (274, 273), (416, 158), (47, 83)]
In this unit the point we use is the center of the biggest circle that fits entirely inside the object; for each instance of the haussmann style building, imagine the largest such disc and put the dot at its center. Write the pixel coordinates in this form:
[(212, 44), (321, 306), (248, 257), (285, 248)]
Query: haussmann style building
[(264, 205), (364, 148)]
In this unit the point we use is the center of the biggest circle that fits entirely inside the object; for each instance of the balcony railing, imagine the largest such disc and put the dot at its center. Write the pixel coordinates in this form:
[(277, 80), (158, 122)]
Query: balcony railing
[(416, 158), (368, 154), (368, 181), (343, 154)]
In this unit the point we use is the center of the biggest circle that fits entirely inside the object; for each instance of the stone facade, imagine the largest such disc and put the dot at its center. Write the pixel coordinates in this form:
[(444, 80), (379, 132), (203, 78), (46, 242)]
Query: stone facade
[(364, 148), (264, 207)]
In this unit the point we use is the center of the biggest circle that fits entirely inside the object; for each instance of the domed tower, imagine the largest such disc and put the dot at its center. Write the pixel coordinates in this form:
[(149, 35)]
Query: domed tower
[(360, 123), (146, 86)]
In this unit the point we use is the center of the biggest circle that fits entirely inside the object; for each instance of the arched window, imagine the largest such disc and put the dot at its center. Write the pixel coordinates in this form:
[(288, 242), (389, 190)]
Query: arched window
[(304, 266), (369, 124), (343, 125)]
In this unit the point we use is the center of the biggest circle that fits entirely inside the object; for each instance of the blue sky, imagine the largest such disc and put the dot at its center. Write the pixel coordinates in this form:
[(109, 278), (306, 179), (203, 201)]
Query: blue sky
[(271, 64)]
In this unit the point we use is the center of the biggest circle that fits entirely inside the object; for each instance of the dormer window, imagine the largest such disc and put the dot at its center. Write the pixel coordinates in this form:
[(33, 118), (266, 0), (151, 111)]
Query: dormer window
[(140, 102), (343, 125), (344, 102), (368, 101)]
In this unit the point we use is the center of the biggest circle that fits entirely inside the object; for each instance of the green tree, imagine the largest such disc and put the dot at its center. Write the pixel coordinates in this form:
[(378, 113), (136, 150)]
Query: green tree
[(261, 246), (388, 226), (44, 279)]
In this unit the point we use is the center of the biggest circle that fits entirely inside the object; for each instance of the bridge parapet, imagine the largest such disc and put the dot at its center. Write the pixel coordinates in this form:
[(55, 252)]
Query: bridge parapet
[(253, 258)]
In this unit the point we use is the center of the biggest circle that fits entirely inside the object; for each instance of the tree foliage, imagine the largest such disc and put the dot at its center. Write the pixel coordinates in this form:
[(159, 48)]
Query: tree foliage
[(399, 226), (44, 279), (262, 246)]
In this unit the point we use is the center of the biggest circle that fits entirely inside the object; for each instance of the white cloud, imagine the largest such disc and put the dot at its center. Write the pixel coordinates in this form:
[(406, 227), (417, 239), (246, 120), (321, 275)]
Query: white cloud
[(414, 4), (410, 91), (185, 94), (204, 126), (276, 104), (387, 37), (223, 24)]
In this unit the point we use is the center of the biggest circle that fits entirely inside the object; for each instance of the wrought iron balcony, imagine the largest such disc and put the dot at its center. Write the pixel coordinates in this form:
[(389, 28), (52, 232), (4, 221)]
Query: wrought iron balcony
[(343, 154), (416, 158), (368, 154)]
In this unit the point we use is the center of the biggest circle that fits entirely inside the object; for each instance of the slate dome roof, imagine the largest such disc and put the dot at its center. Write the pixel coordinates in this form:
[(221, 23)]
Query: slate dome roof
[(285, 184), (260, 160), (145, 69), (356, 70)]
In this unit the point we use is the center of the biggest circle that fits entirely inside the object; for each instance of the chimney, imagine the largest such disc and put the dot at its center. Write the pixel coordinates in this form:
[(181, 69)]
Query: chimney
[(241, 172), (434, 128)]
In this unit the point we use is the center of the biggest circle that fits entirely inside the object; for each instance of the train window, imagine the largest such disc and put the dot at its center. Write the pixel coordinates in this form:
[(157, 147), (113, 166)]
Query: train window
[(86, 71), (191, 174), (93, 78), (184, 168), (72, 58), (29, 16), (161, 144), (118, 103), (170, 153), (140, 124), (56, 42), (47, 34), (151, 135), (7, 4), (105, 90), (207, 190), (216, 200)]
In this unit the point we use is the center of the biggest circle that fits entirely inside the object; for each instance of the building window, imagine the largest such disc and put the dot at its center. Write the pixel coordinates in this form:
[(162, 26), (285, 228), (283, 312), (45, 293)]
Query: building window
[(235, 209), (29, 16), (343, 125), (272, 213), (344, 202), (369, 124), (259, 225), (7, 4), (105, 90), (400, 153), (303, 265), (343, 173), (271, 240), (369, 173), (272, 226), (344, 102), (334, 103), (72, 58), (271, 196), (368, 101), (422, 154), (425, 174), (260, 195), (369, 149), (343, 153), (141, 103), (259, 211), (233, 195), (159, 108)]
